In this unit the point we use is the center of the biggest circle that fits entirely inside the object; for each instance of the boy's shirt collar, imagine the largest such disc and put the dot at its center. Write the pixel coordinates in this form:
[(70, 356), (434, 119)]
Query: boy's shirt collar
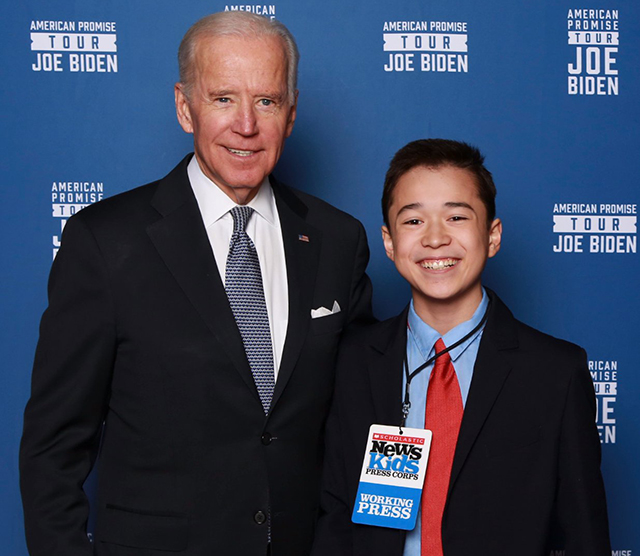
[(425, 337)]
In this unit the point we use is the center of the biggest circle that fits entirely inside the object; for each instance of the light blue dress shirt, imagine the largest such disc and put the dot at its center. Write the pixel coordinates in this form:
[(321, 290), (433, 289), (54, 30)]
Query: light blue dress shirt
[(421, 339)]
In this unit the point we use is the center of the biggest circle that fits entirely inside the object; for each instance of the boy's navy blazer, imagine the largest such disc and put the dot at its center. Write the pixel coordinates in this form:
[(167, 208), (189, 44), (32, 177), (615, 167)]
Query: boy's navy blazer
[(526, 470)]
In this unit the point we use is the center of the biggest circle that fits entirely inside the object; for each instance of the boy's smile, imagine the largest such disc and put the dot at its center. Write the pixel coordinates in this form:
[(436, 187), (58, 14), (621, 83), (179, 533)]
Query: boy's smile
[(440, 240)]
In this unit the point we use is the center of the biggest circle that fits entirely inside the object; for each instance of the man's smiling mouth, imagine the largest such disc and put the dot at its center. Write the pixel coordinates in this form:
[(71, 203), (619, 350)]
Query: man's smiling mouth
[(239, 152)]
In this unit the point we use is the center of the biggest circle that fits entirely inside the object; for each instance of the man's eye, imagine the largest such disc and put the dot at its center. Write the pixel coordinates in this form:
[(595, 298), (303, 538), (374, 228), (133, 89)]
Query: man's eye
[(223, 100), (413, 222), (458, 218), (266, 102)]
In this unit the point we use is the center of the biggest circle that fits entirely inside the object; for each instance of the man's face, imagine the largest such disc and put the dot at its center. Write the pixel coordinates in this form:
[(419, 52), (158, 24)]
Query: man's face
[(439, 240), (238, 111)]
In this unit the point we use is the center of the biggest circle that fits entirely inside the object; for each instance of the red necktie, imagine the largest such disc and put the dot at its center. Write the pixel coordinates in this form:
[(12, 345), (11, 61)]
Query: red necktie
[(443, 416)]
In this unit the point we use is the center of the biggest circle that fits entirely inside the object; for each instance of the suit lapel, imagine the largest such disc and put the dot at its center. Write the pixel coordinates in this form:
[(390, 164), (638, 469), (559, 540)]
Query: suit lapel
[(384, 364), (302, 244), (181, 240), (385, 357), (489, 374)]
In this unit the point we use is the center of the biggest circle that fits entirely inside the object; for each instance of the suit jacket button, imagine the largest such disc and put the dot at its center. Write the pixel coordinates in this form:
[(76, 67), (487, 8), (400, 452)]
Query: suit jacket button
[(260, 517), (266, 438)]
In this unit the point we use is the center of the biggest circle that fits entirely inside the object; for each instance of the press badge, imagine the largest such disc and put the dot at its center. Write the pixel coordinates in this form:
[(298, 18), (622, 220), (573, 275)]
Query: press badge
[(392, 477)]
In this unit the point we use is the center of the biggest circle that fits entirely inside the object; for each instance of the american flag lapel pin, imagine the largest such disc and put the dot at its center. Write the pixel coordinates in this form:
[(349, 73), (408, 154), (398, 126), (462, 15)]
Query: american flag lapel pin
[(302, 237)]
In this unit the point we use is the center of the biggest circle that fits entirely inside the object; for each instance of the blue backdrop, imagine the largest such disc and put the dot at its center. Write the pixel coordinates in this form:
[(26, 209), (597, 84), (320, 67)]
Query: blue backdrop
[(548, 90)]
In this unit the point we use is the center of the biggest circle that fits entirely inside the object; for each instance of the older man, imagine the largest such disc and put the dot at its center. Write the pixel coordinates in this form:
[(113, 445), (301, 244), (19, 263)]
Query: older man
[(197, 317)]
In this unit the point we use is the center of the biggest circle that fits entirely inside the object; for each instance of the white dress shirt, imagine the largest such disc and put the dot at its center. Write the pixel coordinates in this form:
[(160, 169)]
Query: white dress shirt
[(265, 232)]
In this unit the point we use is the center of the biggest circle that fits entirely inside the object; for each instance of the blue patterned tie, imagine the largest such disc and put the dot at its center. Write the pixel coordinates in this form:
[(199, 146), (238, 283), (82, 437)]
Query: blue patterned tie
[(243, 284)]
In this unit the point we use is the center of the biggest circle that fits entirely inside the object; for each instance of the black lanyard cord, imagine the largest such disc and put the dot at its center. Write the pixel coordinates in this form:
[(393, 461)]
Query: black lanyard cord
[(406, 405)]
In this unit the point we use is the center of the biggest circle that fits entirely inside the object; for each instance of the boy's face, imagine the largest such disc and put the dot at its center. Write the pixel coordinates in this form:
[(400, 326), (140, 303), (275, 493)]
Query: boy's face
[(439, 240)]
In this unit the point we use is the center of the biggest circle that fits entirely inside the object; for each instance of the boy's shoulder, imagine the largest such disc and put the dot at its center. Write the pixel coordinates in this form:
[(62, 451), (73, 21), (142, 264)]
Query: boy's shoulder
[(507, 331), (379, 335)]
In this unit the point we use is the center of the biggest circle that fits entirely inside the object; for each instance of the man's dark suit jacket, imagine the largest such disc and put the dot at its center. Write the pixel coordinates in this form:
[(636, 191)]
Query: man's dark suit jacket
[(527, 461), (139, 335)]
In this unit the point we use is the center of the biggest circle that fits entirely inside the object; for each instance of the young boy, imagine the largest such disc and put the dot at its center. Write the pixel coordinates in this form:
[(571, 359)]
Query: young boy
[(514, 466)]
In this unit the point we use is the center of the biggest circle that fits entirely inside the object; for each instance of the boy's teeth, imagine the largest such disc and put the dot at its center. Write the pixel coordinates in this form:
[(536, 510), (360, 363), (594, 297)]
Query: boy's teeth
[(440, 264)]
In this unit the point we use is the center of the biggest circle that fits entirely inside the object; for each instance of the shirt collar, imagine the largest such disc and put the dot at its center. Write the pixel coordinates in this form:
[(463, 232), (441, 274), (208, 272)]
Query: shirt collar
[(214, 204), (425, 337)]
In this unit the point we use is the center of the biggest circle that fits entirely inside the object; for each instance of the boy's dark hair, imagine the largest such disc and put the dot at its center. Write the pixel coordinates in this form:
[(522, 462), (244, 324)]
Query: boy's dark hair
[(437, 153)]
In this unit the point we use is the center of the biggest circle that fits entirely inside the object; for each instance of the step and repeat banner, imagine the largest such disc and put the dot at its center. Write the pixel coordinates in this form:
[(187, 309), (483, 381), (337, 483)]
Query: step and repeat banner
[(548, 90)]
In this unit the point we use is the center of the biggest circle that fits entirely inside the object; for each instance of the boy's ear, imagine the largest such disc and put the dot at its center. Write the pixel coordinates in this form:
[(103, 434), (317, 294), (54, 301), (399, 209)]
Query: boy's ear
[(495, 237), (388, 242)]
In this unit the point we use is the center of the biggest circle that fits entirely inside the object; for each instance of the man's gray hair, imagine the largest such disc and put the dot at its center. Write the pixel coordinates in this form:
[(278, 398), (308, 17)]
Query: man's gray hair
[(238, 24)]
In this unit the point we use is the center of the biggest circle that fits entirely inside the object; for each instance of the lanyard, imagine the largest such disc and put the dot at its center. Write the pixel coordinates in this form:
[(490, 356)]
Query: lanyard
[(406, 405)]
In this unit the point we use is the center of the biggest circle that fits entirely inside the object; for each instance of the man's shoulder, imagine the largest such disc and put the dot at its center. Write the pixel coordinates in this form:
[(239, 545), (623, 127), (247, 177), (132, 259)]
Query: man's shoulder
[(134, 205), (118, 219), (119, 203), (317, 210), (316, 204)]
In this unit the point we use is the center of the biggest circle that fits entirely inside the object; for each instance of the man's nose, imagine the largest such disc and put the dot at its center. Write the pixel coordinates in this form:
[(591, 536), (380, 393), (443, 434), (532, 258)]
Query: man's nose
[(245, 121)]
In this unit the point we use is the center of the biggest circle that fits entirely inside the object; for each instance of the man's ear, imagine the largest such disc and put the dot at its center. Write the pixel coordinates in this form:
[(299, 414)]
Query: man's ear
[(388, 242), (495, 237), (293, 111), (182, 108)]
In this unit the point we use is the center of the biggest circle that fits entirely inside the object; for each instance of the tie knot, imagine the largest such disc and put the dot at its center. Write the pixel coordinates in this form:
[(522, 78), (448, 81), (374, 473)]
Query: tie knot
[(241, 215), (439, 347)]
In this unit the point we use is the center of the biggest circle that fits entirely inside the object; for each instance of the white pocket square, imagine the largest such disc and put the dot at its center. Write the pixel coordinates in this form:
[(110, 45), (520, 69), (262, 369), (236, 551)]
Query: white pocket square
[(324, 312)]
